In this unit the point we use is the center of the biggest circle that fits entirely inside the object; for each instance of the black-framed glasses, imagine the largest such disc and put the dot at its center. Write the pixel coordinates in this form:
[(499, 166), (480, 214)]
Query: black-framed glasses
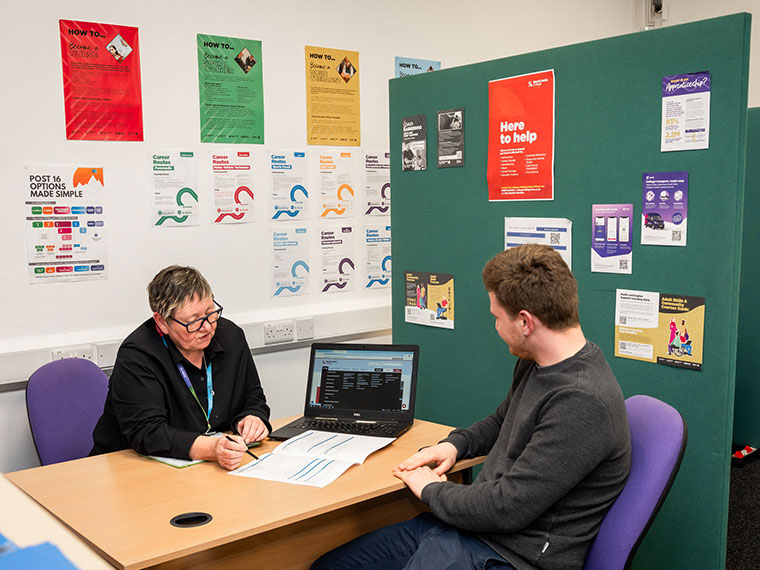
[(195, 326)]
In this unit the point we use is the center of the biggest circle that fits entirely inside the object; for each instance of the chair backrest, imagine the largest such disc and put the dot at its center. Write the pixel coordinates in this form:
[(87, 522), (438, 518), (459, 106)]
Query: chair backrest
[(658, 441), (64, 400)]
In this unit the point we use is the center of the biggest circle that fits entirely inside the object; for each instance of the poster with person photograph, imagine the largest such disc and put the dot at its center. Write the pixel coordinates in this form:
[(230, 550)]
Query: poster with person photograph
[(414, 142), (450, 138)]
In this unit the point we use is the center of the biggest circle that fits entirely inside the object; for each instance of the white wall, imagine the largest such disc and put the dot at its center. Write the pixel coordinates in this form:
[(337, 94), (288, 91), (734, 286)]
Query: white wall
[(33, 132)]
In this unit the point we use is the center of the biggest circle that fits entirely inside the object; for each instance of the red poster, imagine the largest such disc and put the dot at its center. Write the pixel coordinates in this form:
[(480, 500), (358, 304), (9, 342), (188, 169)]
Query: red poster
[(521, 137), (101, 82)]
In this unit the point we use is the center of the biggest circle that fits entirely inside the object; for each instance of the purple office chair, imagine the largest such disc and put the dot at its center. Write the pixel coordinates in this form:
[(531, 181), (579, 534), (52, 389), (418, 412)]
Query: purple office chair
[(64, 400), (658, 441)]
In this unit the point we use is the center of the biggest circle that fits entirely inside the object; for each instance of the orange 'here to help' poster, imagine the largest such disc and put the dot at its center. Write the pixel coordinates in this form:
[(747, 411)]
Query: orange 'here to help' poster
[(521, 137)]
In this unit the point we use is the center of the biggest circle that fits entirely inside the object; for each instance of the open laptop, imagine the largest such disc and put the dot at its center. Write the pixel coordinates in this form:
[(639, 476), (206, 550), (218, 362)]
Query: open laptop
[(362, 389)]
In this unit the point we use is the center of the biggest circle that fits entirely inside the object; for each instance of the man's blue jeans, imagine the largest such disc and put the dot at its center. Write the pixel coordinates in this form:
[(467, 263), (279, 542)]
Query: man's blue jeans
[(424, 542)]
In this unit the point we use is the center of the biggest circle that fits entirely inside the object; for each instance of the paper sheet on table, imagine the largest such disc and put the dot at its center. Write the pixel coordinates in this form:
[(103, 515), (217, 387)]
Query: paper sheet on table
[(313, 458), (179, 463)]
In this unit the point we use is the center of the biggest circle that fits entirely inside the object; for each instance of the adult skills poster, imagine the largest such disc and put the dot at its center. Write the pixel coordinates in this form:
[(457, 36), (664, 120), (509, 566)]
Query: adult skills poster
[(660, 327), (101, 81), (231, 90), (521, 137), (65, 223), (332, 97)]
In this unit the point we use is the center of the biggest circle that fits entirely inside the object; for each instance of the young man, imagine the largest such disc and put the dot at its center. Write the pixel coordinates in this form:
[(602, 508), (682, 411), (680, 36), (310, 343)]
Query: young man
[(558, 447)]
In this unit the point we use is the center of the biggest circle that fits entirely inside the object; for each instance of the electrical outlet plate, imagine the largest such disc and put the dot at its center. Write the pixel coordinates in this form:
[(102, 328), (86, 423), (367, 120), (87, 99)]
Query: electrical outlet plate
[(281, 331), (81, 351), (305, 328)]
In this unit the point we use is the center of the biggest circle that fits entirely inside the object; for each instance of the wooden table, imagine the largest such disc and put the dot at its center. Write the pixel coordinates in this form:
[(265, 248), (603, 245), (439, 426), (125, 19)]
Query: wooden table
[(25, 523), (121, 504)]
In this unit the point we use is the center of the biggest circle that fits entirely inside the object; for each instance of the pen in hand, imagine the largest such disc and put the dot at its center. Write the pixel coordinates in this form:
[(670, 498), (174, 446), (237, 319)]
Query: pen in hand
[(248, 451)]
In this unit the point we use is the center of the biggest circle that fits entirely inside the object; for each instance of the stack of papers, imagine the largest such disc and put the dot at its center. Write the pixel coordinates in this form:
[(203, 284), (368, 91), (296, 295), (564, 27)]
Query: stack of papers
[(314, 458)]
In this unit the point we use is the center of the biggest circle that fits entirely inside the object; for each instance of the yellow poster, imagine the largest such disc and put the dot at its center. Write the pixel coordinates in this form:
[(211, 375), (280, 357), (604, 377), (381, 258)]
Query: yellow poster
[(658, 327), (332, 97), (429, 299)]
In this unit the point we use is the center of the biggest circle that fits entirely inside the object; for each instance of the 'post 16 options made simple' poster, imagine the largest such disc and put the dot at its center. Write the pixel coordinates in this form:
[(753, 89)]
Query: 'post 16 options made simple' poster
[(65, 223)]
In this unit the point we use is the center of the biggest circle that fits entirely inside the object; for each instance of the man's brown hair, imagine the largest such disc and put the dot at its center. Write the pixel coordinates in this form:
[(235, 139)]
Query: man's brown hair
[(534, 278)]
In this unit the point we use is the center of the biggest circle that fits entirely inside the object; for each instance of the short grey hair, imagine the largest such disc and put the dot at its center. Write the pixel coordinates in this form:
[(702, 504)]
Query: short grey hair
[(173, 286)]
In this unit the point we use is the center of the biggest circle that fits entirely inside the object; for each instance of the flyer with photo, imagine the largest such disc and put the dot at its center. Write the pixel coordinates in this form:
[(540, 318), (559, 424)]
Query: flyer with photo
[(102, 95), (521, 137), (664, 208), (65, 222), (174, 196), (288, 173), (231, 92), (377, 183), (414, 142), (450, 138), (290, 261), (557, 233), (657, 327), (338, 258), (685, 111), (336, 184), (611, 238), (410, 66), (377, 247), (332, 97), (429, 299), (232, 172)]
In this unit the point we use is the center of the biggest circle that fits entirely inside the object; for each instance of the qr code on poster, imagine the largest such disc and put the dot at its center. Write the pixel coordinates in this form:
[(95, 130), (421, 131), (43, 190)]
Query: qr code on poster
[(622, 320), (623, 264), (675, 235), (554, 238)]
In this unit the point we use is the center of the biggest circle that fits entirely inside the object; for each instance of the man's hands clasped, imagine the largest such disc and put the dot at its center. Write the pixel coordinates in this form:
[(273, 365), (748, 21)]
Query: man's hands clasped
[(429, 465)]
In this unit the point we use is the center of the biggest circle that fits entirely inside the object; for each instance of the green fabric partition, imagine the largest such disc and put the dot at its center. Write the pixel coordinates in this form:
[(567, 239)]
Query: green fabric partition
[(747, 407), (607, 133)]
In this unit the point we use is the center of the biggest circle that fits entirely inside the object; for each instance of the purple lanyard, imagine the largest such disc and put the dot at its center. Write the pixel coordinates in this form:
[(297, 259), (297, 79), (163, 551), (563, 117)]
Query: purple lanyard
[(209, 386)]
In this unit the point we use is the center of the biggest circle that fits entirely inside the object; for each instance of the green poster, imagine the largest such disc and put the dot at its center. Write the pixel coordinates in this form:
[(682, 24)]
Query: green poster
[(231, 92)]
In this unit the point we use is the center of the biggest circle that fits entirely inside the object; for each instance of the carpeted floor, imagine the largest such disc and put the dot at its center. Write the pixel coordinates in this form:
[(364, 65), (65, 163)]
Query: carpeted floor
[(743, 545)]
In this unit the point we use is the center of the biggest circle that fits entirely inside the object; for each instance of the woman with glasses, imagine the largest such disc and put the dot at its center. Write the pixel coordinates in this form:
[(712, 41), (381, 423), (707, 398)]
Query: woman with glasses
[(184, 376)]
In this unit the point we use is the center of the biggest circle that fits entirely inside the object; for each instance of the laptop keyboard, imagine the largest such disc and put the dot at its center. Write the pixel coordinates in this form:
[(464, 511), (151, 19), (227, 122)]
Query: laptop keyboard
[(356, 428)]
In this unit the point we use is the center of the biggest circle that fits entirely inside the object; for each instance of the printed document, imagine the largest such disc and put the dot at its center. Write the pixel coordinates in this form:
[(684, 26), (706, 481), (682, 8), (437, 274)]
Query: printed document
[(314, 458)]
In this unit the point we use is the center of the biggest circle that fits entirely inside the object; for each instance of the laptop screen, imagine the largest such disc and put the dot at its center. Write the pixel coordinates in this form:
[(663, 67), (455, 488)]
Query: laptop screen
[(362, 381)]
